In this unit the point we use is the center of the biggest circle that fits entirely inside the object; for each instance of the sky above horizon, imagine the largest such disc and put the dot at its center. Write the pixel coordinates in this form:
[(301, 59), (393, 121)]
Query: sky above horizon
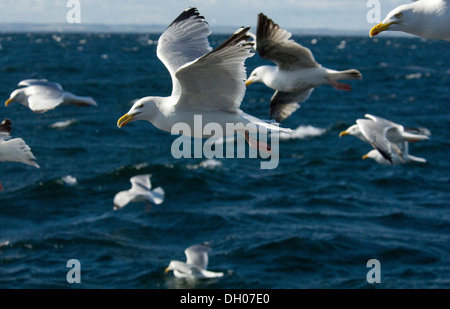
[(290, 14)]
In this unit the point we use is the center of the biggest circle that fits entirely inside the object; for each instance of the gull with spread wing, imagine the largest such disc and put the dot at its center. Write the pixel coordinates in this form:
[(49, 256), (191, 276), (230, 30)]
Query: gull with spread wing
[(205, 82), (40, 96), (195, 265), (296, 73), (389, 139), (140, 192)]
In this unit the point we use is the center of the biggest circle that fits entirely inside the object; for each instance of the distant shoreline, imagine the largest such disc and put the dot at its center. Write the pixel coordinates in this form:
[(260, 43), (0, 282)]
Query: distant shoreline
[(104, 28)]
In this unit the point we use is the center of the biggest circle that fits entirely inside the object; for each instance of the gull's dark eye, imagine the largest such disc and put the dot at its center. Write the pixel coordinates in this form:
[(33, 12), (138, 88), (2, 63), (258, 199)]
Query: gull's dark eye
[(140, 106), (399, 15)]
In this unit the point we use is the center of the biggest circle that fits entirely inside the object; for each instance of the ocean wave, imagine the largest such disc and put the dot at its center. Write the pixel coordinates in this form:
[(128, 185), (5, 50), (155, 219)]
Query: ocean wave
[(207, 164)]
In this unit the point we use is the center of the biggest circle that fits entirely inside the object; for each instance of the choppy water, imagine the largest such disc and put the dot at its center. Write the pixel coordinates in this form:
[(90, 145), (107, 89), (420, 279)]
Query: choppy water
[(313, 222)]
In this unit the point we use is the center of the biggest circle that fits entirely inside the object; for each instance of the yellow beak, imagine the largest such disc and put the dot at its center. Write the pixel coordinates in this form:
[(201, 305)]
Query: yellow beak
[(9, 101), (248, 82), (365, 157), (166, 270), (124, 120), (379, 28), (343, 133)]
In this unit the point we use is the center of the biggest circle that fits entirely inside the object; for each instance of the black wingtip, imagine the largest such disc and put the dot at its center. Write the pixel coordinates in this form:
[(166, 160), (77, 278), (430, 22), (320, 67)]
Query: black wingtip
[(265, 25), (5, 126), (240, 35), (188, 13), (386, 155)]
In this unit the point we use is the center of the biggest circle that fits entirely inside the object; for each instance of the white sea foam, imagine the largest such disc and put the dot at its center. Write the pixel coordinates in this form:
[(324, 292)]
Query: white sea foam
[(62, 124), (207, 164), (69, 180), (4, 244), (414, 76), (303, 132)]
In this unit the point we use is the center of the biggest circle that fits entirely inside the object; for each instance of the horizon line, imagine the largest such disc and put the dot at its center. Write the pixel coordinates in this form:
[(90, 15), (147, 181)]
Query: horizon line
[(25, 27)]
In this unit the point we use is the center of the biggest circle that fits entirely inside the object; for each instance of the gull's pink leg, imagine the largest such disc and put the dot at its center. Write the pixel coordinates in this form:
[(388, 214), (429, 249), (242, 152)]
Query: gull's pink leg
[(339, 86), (258, 145)]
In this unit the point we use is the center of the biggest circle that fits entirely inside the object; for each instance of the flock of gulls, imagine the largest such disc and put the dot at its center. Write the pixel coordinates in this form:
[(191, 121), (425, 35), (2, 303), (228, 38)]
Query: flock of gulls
[(212, 83)]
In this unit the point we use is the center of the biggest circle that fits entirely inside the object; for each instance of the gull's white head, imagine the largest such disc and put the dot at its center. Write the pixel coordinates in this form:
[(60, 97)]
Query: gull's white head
[(259, 74), (17, 95), (353, 130), (180, 269), (143, 109), (399, 19), (376, 156)]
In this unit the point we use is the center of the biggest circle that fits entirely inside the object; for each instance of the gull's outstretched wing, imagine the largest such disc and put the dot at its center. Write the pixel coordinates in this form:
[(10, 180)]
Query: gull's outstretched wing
[(216, 81), (156, 196), (122, 198), (42, 98), (185, 40), (283, 104), (396, 133), (141, 182), (197, 255), (273, 43), (40, 82), (374, 132), (16, 150)]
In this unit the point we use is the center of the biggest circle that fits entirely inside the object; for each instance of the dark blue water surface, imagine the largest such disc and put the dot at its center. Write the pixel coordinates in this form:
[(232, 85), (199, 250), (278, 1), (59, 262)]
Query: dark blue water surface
[(313, 222)]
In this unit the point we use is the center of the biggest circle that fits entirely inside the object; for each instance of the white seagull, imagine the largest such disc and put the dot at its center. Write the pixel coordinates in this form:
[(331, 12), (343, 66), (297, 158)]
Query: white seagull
[(395, 159), (140, 192), (195, 265), (40, 96), (425, 18), (389, 139), (296, 73), (205, 82)]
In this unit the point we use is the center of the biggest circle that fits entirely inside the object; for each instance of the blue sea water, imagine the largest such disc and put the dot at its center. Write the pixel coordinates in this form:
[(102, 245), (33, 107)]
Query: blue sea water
[(313, 222)]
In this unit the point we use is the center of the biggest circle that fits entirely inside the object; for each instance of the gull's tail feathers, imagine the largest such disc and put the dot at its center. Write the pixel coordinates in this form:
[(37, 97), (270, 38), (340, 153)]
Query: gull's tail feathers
[(71, 98)]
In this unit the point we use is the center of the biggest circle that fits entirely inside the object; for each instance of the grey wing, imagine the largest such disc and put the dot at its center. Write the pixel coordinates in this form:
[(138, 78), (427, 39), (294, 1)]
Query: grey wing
[(141, 182), (122, 198), (383, 121), (197, 255), (16, 150), (375, 134), (273, 43), (185, 40), (42, 98), (216, 81), (156, 196), (396, 133), (283, 104), (40, 82)]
